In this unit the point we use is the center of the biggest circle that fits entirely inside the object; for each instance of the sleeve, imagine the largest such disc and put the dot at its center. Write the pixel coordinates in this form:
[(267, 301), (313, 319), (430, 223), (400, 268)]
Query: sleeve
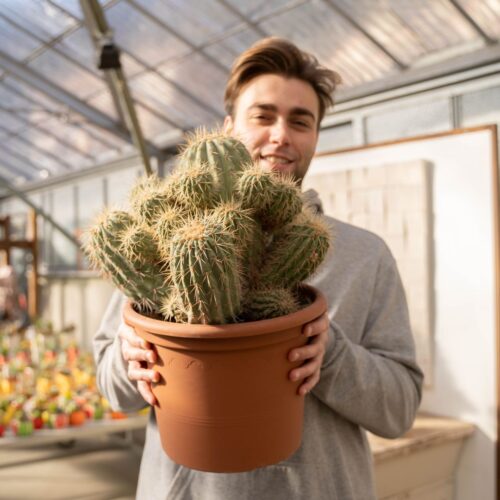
[(376, 383), (111, 369)]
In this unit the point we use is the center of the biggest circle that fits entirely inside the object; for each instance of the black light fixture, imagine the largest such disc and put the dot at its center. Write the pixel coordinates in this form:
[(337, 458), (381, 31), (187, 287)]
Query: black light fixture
[(109, 56)]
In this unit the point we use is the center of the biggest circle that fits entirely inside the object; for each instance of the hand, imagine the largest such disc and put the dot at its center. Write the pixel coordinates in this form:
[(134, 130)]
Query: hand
[(136, 352), (312, 354)]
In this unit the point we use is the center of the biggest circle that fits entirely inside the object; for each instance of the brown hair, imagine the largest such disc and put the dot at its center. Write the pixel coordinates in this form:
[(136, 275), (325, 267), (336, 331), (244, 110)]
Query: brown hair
[(278, 56)]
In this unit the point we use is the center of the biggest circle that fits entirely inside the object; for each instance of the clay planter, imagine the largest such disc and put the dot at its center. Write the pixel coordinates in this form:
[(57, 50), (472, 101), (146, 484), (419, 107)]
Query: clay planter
[(225, 402)]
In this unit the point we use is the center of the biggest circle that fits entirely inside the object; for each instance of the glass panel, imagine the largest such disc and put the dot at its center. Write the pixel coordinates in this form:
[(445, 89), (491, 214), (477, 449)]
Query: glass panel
[(141, 36), (436, 23), (130, 66), (78, 45), (14, 42), (151, 125), (200, 77), (421, 118), (50, 144), (90, 200), (79, 138), (24, 151), (197, 21), (381, 22), (481, 107), (9, 122), (109, 139), (154, 91), (119, 184), (336, 137), (21, 166), (66, 75), (39, 99), (258, 8), (23, 109), (228, 49), (64, 253), (39, 16), (318, 29), (486, 14), (104, 102), (72, 6)]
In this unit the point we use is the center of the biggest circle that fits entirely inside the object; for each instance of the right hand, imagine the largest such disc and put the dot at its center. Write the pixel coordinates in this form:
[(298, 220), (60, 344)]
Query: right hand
[(137, 352)]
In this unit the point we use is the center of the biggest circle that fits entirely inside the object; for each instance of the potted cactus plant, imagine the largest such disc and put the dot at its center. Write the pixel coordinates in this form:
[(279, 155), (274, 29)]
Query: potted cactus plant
[(213, 259)]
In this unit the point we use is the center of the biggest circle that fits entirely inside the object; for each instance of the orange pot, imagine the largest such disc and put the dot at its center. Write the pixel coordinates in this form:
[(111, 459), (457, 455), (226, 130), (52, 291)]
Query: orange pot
[(225, 402)]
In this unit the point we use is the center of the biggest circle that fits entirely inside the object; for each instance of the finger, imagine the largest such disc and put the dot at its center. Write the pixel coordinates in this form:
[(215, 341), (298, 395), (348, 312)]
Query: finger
[(129, 334), (145, 391), (137, 373), (314, 349), (306, 370), (135, 354), (309, 384), (316, 326)]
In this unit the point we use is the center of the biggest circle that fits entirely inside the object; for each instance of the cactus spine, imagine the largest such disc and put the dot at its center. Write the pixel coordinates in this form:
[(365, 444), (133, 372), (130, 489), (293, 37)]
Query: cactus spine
[(220, 240)]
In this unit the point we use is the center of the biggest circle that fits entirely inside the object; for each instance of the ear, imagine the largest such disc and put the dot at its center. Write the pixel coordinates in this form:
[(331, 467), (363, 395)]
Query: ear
[(228, 124)]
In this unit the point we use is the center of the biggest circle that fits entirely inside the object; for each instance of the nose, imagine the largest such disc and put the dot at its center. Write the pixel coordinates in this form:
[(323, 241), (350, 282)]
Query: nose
[(279, 133)]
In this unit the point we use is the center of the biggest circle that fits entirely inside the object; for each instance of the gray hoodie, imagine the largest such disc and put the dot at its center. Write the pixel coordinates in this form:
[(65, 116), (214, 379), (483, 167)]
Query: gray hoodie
[(369, 380)]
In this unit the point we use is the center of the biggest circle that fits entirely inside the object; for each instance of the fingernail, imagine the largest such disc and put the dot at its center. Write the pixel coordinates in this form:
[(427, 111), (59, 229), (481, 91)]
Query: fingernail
[(294, 356), (150, 357), (295, 376)]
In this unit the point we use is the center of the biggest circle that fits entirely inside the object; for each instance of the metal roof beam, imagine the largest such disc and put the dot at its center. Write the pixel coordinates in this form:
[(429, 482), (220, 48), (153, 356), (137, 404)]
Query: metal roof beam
[(39, 82), (472, 23), (243, 18), (101, 36), (27, 168), (341, 12), (175, 33), (10, 167), (32, 145), (16, 91), (148, 67)]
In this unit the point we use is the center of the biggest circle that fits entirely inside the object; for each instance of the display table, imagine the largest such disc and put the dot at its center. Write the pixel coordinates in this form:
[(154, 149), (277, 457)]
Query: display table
[(421, 464), (94, 428)]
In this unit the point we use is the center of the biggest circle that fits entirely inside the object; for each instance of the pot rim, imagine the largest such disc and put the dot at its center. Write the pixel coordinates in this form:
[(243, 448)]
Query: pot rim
[(245, 329)]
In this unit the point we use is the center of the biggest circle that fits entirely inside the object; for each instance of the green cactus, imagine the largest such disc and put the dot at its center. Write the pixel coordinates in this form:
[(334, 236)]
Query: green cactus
[(149, 198), (274, 198), (205, 272), (296, 251), (219, 241), (138, 277), (267, 303), (224, 155)]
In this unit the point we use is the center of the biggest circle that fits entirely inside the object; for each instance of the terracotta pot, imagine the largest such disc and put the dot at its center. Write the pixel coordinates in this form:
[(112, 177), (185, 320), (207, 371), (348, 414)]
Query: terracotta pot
[(225, 402)]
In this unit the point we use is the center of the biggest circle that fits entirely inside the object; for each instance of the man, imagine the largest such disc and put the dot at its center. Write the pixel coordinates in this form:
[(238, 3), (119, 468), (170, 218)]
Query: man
[(359, 367)]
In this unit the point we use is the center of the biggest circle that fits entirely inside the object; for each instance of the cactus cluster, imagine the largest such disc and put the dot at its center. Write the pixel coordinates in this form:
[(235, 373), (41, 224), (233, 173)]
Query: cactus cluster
[(220, 240)]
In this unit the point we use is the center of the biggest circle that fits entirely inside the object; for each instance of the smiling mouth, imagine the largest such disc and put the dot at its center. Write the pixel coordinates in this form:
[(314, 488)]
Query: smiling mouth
[(276, 160)]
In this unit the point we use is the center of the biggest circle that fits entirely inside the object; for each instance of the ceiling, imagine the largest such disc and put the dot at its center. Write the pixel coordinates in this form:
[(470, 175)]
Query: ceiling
[(57, 113)]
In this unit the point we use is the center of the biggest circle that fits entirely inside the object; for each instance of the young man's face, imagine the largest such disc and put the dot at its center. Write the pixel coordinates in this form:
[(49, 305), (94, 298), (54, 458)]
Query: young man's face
[(277, 120)]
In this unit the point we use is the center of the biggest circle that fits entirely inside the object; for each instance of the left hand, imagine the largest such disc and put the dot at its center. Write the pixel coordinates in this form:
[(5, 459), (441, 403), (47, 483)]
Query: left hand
[(312, 354)]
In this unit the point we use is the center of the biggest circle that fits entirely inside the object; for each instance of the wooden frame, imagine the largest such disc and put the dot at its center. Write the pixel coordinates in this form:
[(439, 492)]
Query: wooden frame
[(31, 244), (495, 191)]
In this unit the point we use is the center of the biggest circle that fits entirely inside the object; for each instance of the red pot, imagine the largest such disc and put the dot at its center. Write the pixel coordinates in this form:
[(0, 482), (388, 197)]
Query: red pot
[(225, 401)]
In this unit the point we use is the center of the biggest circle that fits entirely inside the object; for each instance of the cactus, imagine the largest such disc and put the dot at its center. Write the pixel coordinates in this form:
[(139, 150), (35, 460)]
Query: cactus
[(275, 199), (267, 303), (204, 269), (115, 244), (221, 240), (296, 251), (224, 155)]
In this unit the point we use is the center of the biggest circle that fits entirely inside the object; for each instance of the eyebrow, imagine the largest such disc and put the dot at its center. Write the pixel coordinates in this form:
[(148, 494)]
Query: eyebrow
[(294, 111)]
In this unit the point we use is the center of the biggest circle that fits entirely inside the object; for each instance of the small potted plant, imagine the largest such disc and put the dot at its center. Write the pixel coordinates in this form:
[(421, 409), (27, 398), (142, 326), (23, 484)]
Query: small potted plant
[(213, 259)]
